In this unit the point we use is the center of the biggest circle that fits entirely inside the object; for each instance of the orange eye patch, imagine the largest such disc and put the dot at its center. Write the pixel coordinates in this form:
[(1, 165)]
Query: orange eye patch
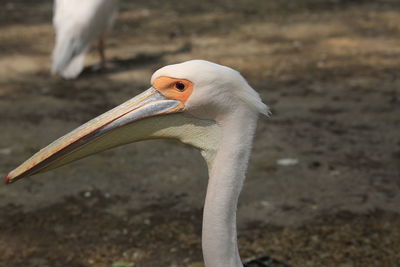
[(173, 88)]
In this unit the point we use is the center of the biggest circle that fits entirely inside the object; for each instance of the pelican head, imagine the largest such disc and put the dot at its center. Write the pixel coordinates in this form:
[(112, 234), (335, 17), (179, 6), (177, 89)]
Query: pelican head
[(203, 104), (185, 102)]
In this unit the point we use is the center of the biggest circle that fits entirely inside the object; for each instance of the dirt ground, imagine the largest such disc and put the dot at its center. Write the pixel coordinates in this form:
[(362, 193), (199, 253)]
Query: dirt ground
[(329, 69)]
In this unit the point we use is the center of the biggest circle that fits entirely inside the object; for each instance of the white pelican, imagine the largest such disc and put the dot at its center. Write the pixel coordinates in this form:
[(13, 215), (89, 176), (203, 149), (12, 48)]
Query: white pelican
[(77, 24), (200, 103)]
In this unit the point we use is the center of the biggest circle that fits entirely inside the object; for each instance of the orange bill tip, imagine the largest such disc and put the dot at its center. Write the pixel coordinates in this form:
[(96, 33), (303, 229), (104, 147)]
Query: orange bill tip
[(8, 179)]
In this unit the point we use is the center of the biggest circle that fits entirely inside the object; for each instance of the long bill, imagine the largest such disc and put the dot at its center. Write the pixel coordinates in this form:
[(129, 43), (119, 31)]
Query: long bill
[(110, 129)]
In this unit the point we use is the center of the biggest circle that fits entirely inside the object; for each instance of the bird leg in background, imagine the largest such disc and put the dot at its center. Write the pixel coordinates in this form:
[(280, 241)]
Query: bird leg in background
[(102, 54)]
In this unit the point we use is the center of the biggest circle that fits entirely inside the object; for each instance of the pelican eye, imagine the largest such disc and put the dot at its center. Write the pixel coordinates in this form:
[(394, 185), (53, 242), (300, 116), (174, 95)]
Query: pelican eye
[(180, 86)]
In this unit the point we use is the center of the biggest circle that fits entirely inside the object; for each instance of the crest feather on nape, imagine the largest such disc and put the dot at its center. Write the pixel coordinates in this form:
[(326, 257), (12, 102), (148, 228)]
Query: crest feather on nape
[(248, 95)]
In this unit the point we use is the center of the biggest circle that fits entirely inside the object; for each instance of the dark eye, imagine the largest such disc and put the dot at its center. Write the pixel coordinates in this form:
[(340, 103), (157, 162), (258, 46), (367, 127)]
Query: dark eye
[(180, 86)]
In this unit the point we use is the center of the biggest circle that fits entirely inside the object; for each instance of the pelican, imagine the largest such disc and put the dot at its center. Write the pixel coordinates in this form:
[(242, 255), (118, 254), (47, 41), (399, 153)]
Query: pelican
[(77, 24), (199, 103)]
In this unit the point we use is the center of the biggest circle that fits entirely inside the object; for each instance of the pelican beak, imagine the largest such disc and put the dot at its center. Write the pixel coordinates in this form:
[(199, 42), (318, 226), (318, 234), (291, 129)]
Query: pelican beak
[(111, 129)]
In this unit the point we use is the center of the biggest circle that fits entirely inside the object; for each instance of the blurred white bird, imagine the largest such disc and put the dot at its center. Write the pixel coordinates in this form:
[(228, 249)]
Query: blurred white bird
[(77, 24)]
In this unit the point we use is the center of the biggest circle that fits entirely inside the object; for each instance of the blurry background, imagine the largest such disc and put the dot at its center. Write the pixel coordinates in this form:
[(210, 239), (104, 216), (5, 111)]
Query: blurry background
[(329, 69)]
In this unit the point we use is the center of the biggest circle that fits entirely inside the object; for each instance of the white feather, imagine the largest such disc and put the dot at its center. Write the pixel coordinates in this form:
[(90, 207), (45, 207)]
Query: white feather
[(77, 23)]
